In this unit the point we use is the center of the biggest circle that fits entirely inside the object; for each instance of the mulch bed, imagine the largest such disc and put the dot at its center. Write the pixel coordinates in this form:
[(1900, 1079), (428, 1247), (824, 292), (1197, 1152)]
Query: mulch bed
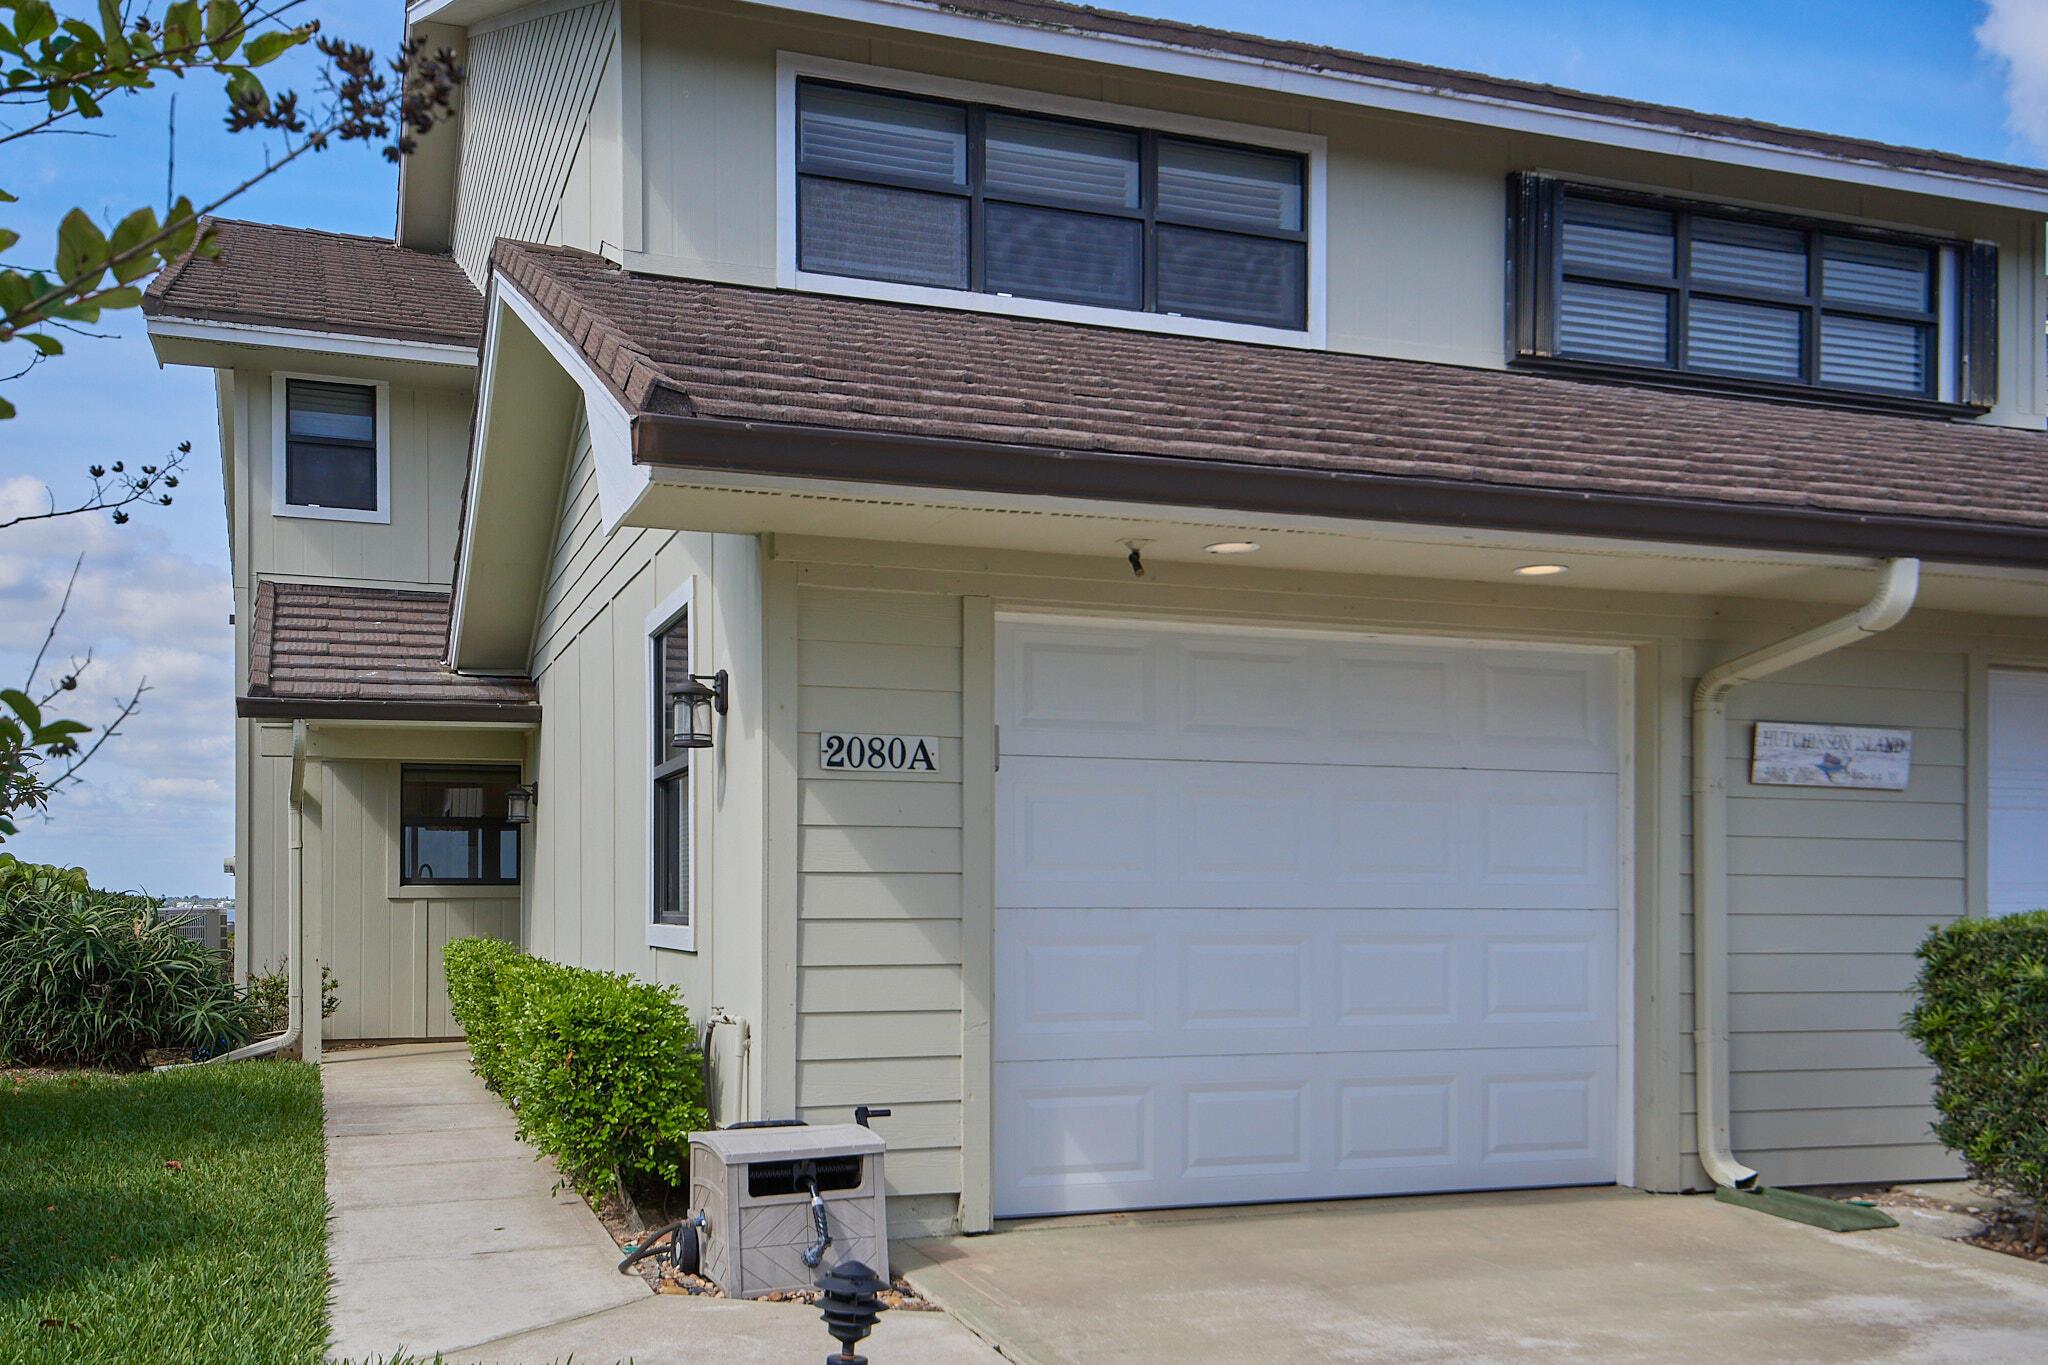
[(2009, 1231)]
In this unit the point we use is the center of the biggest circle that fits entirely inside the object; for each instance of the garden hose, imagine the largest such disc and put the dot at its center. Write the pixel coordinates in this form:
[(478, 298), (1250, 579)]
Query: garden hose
[(676, 1243), (815, 1252)]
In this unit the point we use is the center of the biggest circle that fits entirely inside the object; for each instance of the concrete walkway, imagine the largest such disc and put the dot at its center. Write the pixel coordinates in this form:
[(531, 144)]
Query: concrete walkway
[(447, 1237), (1583, 1275)]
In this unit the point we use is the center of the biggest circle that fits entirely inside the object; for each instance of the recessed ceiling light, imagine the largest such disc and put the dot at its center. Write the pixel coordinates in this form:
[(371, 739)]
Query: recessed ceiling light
[(1541, 570), (1232, 547)]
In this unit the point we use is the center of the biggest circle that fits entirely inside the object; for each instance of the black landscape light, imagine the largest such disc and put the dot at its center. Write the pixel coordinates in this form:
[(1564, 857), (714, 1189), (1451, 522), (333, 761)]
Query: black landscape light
[(847, 1297)]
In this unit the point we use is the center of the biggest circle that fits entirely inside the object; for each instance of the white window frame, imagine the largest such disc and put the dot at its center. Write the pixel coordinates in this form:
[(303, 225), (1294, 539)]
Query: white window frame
[(675, 937), (279, 398), (790, 67)]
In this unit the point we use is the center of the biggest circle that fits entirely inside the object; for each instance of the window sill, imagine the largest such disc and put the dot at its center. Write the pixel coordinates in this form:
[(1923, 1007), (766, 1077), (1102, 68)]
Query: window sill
[(1305, 338), (381, 516), (677, 938), (1734, 386), (456, 891)]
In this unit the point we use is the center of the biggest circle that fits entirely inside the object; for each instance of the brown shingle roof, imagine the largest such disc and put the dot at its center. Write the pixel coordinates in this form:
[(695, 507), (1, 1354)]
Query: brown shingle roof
[(276, 276), (1087, 19), (693, 350), (318, 649)]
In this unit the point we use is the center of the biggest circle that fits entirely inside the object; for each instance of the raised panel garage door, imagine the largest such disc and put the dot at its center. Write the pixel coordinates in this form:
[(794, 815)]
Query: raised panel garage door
[(1285, 917)]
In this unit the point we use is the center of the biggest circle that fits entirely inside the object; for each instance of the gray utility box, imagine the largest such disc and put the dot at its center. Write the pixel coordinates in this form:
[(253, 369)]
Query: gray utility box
[(753, 1188)]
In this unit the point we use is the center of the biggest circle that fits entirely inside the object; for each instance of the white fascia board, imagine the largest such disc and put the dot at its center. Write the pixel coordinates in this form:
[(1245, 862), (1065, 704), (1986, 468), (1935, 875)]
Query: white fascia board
[(169, 328), (921, 17)]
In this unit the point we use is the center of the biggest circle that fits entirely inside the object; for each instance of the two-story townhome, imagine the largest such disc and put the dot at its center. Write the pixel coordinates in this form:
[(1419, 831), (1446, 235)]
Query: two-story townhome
[(1209, 620)]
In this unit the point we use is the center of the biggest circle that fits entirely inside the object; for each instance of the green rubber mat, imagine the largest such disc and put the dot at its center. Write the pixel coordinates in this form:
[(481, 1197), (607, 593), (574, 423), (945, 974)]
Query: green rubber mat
[(1831, 1214)]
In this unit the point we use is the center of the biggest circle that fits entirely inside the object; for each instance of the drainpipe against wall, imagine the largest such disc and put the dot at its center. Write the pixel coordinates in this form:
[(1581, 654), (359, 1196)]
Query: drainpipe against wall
[(1886, 608), (295, 936)]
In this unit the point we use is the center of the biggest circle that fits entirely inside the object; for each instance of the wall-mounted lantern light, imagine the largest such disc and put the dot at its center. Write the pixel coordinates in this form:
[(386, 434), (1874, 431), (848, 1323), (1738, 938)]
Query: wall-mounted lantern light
[(691, 707), (519, 803)]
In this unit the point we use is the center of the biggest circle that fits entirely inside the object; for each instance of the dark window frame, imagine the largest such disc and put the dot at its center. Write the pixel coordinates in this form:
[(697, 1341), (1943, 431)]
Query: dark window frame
[(1147, 213), (1964, 335), (672, 904), (495, 831)]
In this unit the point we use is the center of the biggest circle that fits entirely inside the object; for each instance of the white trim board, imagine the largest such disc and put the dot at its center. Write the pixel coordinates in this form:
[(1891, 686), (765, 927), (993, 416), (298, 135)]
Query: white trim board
[(325, 343), (381, 514), (792, 66)]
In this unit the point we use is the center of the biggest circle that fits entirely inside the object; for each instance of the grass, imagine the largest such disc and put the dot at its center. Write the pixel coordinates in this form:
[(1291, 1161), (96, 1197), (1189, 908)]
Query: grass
[(163, 1217)]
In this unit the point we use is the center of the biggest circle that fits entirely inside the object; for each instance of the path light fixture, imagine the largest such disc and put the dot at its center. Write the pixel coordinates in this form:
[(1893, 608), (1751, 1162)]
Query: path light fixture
[(847, 1298), (691, 708), (519, 803)]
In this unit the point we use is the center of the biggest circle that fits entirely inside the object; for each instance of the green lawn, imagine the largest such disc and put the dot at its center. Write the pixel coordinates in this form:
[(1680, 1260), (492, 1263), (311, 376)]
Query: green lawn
[(109, 1252)]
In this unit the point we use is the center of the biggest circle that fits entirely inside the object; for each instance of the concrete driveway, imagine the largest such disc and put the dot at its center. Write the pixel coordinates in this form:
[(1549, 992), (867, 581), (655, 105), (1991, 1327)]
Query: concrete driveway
[(1608, 1275)]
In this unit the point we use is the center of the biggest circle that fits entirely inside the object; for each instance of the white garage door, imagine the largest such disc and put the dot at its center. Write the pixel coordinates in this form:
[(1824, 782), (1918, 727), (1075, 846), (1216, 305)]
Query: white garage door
[(1284, 917)]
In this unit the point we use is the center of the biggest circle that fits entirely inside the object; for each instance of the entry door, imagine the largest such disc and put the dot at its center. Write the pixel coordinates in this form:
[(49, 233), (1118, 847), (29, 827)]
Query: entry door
[(2019, 792), (1284, 917)]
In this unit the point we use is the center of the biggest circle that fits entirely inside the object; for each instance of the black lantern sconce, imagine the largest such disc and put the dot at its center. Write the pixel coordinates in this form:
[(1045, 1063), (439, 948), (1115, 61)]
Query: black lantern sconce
[(691, 707), (519, 803)]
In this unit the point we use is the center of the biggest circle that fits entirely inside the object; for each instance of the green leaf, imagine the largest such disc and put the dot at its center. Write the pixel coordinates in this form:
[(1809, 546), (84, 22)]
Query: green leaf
[(60, 96), (267, 47), (244, 88), (6, 411), (8, 237), (86, 104), (81, 250), (33, 20), (44, 342), (182, 27), (23, 705), (137, 228), (223, 28), (126, 297), (6, 198), (114, 34)]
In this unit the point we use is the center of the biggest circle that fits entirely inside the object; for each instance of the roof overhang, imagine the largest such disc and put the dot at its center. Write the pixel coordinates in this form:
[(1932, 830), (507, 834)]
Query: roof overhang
[(931, 18), (217, 344), (387, 712)]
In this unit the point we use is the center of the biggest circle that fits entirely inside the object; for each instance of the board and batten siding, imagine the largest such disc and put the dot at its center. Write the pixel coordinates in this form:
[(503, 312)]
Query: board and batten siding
[(533, 129), (1831, 890)]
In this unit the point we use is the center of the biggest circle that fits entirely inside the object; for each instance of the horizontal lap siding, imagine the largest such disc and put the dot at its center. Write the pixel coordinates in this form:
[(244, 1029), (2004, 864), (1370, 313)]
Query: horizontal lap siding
[(879, 938), (1829, 894)]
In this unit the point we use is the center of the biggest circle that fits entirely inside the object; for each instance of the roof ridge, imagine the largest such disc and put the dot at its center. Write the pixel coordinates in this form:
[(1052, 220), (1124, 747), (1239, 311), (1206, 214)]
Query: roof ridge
[(334, 233)]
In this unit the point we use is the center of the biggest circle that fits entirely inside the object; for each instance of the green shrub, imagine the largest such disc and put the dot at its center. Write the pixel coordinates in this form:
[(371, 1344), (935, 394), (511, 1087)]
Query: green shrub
[(602, 1068), (18, 878), (1982, 1019), (270, 998), (94, 978)]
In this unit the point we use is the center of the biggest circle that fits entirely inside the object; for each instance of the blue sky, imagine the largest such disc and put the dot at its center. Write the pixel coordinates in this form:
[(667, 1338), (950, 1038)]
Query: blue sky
[(156, 811)]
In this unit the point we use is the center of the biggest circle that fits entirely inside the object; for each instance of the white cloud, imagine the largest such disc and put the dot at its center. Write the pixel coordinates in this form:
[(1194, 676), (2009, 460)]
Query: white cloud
[(155, 808), (2015, 34)]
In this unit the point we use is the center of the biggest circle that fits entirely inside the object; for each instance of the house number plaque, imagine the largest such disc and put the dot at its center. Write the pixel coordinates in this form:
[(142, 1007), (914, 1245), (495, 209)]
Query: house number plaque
[(878, 753)]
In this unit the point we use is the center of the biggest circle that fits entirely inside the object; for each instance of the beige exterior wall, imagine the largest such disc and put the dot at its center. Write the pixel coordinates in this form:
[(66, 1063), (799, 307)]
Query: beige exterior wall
[(1830, 890), (1416, 212)]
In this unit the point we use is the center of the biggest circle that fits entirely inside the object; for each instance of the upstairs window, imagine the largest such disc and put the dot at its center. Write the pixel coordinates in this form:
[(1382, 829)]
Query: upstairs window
[(453, 830), (332, 458), (924, 192), (1744, 299)]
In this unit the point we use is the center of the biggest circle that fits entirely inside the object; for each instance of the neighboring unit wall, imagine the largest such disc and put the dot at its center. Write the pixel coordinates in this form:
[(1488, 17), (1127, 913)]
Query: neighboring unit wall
[(587, 877), (1416, 214), (1831, 890), (534, 128)]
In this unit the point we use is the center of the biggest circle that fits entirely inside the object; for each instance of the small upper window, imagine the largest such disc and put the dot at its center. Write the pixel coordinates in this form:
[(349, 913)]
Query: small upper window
[(927, 192), (453, 827), (332, 461), (1733, 296)]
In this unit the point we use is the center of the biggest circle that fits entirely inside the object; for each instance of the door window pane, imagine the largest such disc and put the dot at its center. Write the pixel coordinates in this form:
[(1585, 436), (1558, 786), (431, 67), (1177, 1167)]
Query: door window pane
[(878, 233), (1748, 256), (1744, 338), (1881, 273), (1231, 278), (330, 445), (1076, 257), (1606, 322), (867, 135), (1030, 158), (1229, 186), (1872, 354), (1617, 238)]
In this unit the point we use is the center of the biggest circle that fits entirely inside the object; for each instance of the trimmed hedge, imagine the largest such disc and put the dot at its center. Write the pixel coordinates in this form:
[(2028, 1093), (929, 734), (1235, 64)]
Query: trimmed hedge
[(1982, 1019), (600, 1068)]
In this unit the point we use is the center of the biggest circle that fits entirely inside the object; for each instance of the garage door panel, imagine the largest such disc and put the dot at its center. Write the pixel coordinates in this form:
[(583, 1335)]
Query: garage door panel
[(1192, 834), (1115, 691), (1090, 984), (1125, 1133)]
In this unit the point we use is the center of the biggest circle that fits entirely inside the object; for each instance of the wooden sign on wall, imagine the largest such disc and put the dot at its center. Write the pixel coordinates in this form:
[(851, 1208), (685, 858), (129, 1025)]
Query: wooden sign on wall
[(1864, 757)]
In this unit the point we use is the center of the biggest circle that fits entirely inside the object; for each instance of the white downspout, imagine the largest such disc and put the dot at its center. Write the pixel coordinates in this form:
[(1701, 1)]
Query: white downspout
[(1886, 608), (294, 919)]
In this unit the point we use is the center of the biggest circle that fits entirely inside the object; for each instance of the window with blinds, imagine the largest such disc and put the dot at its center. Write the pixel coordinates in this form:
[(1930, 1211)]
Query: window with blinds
[(671, 772), (453, 827), (1736, 297), (330, 448), (927, 192)]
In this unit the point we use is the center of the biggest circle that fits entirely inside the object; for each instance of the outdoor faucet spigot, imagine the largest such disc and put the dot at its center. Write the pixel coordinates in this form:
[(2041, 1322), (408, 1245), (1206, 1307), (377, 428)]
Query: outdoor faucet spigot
[(847, 1299)]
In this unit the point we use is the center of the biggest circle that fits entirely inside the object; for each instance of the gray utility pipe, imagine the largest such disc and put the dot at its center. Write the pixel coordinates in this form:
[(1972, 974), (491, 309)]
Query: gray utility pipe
[(295, 929), (1886, 608)]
